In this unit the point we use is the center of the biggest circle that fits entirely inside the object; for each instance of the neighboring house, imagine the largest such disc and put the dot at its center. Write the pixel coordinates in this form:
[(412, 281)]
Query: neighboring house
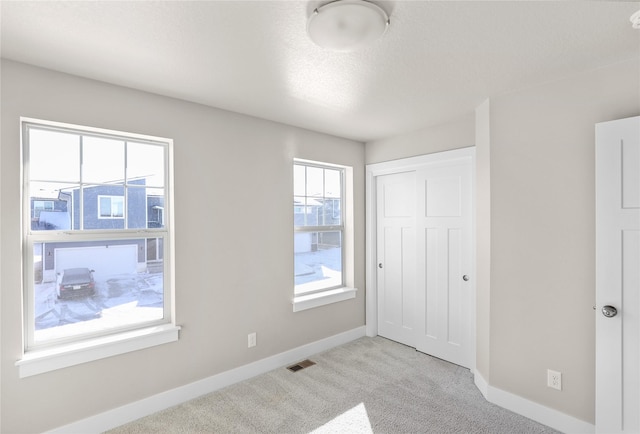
[(48, 213), (103, 208), (315, 212), (155, 211)]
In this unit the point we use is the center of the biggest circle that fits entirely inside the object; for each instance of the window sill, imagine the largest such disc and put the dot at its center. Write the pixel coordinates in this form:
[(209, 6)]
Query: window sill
[(63, 356), (304, 302)]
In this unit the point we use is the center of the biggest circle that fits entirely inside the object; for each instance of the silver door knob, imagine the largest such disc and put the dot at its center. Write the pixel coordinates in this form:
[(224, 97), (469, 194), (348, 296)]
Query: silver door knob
[(609, 311), (465, 278), (380, 265)]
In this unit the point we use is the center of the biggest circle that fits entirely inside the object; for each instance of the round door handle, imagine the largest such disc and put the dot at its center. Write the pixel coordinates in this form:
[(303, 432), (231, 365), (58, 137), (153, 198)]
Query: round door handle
[(380, 265), (465, 278), (609, 311)]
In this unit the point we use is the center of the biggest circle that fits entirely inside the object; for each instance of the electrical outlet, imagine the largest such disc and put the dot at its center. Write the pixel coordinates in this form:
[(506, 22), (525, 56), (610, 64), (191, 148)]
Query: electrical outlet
[(554, 379), (251, 340)]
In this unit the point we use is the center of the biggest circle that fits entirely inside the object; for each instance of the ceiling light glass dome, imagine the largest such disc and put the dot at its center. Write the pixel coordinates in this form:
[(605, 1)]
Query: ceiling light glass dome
[(346, 25)]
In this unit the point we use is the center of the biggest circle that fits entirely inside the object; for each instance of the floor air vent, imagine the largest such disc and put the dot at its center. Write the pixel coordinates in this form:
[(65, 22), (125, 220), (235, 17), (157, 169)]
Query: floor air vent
[(301, 365)]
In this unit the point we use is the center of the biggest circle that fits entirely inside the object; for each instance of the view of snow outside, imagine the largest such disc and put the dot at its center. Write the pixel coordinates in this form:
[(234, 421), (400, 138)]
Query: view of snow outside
[(81, 182), (119, 300), (318, 270), (317, 203)]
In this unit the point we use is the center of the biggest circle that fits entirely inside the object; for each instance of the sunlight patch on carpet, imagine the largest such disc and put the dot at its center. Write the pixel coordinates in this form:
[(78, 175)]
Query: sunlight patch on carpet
[(354, 421)]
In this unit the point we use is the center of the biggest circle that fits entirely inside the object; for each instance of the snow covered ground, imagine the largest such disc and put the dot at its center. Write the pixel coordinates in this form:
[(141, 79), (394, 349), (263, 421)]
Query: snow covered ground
[(123, 300), (119, 301), (322, 265)]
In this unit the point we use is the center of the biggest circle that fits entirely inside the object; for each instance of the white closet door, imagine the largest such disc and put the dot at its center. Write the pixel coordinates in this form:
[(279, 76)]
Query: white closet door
[(396, 253), (424, 249), (446, 296)]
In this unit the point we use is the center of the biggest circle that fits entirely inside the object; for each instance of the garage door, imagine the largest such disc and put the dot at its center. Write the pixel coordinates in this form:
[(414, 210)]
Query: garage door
[(105, 260)]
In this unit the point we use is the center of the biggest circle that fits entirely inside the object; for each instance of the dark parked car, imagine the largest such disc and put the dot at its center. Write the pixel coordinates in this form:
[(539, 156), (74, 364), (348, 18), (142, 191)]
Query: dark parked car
[(76, 281)]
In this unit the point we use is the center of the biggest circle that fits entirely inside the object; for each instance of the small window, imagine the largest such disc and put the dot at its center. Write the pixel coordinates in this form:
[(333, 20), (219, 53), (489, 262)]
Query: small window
[(318, 227), (98, 250), (41, 205), (111, 207)]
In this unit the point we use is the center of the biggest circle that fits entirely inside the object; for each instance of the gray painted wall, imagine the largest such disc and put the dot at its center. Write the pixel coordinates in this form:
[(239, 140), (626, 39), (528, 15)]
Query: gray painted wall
[(232, 277), (537, 145), (455, 134), (543, 232), (536, 227)]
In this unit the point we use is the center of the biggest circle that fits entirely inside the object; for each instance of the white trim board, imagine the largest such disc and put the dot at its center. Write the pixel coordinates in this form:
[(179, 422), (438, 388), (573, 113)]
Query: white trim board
[(532, 410), (128, 413)]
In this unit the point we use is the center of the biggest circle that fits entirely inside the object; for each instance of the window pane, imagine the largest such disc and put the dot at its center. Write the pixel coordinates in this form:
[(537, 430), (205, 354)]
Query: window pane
[(42, 205), (102, 160), (54, 156), (117, 207), (155, 248), (318, 261), (103, 207), (138, 207), (37, 206), (145, 162), (320, 206), (299, 211), (93, 286), (51, 205), (154, 209), (331, 212), (332, 184), (314, 212), (152, 249), (299, 179), (315, 181)]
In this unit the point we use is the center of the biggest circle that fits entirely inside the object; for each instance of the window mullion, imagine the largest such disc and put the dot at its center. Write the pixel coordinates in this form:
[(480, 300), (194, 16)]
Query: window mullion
[(126, 187), (319, 228), (324, 199), (343, 199), (81, 189), (306, 196)]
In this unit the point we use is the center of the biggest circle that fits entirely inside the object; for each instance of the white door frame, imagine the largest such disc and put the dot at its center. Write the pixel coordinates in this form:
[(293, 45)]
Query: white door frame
[(399, 166)]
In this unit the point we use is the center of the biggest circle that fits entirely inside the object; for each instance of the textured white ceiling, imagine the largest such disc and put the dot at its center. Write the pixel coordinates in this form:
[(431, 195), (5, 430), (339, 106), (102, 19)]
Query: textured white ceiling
[(437, 61)]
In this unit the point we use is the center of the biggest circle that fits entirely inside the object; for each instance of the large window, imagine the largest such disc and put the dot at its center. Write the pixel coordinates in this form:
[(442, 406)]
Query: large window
[(97, 249), (318, 204)]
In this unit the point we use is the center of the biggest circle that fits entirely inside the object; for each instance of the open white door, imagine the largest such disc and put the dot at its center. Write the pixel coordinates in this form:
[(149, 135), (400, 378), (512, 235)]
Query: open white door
[(618, 276)]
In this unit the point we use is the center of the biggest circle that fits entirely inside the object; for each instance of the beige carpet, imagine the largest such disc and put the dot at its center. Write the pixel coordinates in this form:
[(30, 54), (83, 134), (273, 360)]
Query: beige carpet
[(371, 385)]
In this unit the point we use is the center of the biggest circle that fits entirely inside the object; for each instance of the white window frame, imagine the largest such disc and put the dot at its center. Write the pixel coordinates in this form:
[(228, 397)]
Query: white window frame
[(38, 358), (111, 198), (346, 290)]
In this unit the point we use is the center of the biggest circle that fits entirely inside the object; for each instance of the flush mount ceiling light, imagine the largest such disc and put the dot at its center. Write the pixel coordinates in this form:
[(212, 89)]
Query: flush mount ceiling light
[(345, 25), (635, 20)]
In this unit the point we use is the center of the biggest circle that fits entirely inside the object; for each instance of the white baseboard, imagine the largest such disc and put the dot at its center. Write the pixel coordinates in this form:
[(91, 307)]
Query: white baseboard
[(481, 384), (130, 412), (532, 410)]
